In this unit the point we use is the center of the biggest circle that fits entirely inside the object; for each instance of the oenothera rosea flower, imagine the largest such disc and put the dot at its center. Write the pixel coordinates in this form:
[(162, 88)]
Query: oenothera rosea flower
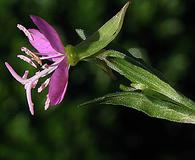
[(49, 47)]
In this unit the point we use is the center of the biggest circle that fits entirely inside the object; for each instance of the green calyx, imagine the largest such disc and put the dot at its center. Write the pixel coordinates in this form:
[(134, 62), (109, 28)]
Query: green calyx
[(73, 59), (89, 46)]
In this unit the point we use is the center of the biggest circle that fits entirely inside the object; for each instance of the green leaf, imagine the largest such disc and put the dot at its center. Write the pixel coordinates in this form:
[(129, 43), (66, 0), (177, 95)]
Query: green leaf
[(103, 36), (136, 53), (151, 106), (81, 33), (138, 72)]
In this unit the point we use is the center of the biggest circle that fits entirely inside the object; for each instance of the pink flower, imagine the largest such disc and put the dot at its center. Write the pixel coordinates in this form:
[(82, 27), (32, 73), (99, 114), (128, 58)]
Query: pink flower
[(49, 47)]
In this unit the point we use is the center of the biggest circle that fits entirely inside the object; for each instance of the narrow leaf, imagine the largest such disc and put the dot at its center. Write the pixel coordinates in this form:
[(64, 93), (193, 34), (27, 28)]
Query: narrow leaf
[(151, 106), (81, 33), (138, 72), (103, 36)]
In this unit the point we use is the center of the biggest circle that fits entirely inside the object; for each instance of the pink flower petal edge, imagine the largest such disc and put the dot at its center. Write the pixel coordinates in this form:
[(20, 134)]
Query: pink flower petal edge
[(49, 32)]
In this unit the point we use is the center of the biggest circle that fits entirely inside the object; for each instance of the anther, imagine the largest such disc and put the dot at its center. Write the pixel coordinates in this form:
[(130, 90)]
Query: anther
[(32, 55), (45, 66), (28, 60), (26, 32)]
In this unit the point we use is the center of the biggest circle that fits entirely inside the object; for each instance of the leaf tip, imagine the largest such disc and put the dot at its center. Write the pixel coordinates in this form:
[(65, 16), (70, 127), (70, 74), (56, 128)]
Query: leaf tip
[(127, 4)]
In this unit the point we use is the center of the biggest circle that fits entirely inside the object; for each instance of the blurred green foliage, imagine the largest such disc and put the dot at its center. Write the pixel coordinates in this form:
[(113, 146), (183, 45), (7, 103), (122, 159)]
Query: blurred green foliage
[(163, 29)]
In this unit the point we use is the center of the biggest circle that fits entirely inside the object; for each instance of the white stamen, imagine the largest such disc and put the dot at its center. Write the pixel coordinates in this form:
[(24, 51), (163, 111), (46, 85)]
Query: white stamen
[(45, 66), (43, 85), (37, 72), (44, 72), (25, 76), (49, 57), (31, 54), (47, 102), (26, 32), (34, 83), (26, 50), (26, 59)]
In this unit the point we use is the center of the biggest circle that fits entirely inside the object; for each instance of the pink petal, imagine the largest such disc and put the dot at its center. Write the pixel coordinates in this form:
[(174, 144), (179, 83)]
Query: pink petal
[(49, 32), (41, 43), (58, 83)]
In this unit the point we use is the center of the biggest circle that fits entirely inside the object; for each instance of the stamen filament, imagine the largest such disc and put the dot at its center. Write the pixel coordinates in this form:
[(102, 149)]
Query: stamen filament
[(47, 102), (31, 54), (49, 57), (43, 85), (25, 76)]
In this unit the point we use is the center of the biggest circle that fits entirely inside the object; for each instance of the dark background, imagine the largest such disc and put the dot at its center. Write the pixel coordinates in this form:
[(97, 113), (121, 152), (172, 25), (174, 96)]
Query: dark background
[(163, 29)]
